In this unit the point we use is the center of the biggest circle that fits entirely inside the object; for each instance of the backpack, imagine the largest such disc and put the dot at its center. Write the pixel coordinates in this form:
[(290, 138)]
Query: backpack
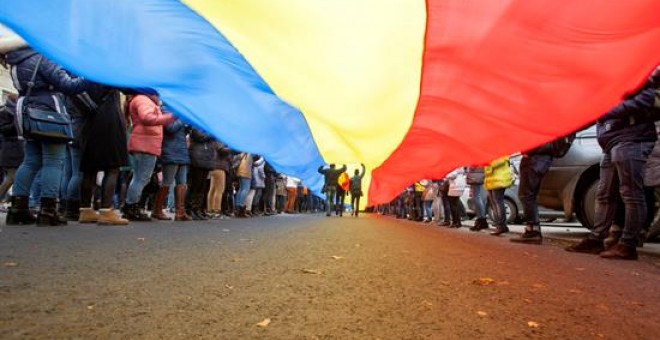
[(560, 146), (344, 181)]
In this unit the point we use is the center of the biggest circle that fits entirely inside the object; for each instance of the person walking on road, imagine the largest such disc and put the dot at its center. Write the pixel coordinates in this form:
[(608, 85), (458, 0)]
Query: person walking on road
[(356, 190), (498, 178), (331, 175)]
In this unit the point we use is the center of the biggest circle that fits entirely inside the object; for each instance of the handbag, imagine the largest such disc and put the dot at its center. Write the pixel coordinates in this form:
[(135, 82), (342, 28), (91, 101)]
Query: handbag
[(43, 125)]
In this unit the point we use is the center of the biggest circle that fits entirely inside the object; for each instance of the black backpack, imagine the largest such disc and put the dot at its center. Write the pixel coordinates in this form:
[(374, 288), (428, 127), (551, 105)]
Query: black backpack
[(561, 145)]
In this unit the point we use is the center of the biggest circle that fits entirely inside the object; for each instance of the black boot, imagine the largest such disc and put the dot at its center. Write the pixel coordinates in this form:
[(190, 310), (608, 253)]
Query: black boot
[(479, 224), (19, 212), (132, 212), (72, 210), (48, 215)]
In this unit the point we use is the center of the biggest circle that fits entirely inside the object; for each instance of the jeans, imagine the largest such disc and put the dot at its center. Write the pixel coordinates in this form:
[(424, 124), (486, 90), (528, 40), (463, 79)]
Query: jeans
[(532, 170), (243, 190), (428, 210), (476, 191), (257, 197), (622, 168), (499, 210), (48, 157), (174, 173), (143, 167), (446, 208), (73, 186), (330, 193)]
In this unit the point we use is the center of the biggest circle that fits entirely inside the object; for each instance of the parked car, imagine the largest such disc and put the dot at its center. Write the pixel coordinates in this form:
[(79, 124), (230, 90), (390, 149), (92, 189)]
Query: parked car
[(570, 184)]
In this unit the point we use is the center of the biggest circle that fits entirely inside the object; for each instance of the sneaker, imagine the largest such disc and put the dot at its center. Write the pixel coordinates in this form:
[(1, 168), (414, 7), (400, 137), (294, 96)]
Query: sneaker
[(588, 245), (620, 252), (529, 237)]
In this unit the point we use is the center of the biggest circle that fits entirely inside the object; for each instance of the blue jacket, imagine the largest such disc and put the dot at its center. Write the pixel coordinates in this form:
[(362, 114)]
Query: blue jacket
[(175, 149), (51, 79)]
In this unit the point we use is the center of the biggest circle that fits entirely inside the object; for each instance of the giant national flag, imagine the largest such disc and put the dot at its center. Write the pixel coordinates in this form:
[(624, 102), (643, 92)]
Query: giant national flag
[(411, 88)]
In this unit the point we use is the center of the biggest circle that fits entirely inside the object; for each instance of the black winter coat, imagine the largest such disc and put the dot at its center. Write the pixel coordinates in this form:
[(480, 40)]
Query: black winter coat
[(223, 160), (103, 132), (13, 149), (203, 150)]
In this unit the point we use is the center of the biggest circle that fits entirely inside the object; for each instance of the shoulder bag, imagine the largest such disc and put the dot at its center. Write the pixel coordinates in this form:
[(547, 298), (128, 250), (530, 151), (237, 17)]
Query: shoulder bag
[(43, 125)]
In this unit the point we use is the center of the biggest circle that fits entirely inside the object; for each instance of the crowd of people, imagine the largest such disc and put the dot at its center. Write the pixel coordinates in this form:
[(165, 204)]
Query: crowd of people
[(125, 152), (626, 198), (127, 155)]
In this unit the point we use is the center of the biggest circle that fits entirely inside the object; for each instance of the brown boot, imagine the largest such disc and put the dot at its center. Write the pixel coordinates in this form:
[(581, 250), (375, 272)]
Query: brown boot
[(110, 217), (620, 252), (157, 211), (179, 203), (88, 215)]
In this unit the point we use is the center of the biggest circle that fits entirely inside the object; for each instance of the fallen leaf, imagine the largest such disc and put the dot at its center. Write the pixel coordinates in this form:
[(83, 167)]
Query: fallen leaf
[(532, 324), (426, 303), (482, 314), (311, 271), (90, 307), (527, 300), (444, 283), (10, 264), (337, 257), (484, 281), (264, 323), (141, 239), (229, 287)]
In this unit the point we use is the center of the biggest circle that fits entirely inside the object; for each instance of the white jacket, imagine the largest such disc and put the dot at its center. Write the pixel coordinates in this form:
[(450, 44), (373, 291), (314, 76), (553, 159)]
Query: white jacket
[(457, 182)]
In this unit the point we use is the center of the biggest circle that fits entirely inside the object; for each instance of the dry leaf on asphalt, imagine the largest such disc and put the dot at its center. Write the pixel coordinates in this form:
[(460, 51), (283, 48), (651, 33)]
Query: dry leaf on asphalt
[(337, 257), (264, 323), (482, 314), (10, 264), (532, 324), (484, 281), (141, 239), (311, 271), (229, 287)]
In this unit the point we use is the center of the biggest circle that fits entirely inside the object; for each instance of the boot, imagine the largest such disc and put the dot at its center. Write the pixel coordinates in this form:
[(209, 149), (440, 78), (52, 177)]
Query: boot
[(157, 211), (588, 245), (132, 212), (479, 224), (613, 236), (110, 217), (529, 237), (196, 208), (241, 212), (19, 212), (72, 211), (620, 252), (88, 215), (179, 203), (48, 216)]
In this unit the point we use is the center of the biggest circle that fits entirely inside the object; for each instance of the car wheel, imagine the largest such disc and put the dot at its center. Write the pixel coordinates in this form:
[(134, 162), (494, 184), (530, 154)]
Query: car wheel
[(586, 208), (511, 211)]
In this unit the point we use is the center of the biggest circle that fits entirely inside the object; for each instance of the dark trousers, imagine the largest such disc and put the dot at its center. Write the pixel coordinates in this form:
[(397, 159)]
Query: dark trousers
[(622, 169), (455, 209), (532, 170)]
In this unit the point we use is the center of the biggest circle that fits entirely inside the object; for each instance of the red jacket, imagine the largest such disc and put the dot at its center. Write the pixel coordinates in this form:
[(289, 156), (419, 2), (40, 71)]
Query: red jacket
[(148, 121)]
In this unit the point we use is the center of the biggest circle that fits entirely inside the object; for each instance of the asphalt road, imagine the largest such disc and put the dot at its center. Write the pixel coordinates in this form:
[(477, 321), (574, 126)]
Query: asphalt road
[(312, 277)]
